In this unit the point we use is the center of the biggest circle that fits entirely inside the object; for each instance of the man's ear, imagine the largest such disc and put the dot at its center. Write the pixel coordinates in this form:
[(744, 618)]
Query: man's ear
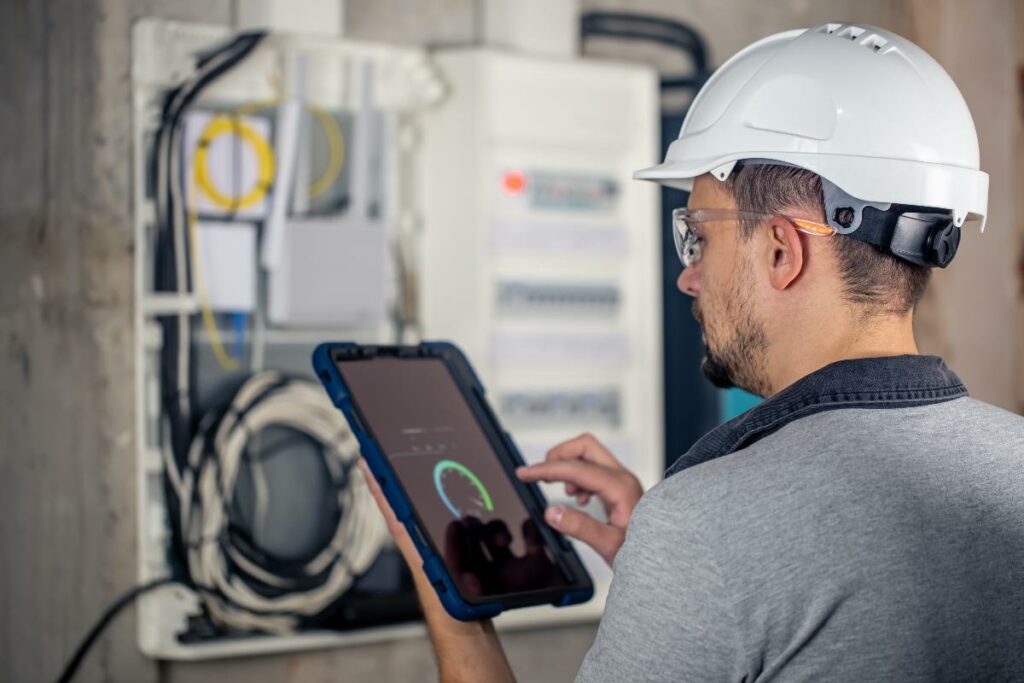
[(785, 253)]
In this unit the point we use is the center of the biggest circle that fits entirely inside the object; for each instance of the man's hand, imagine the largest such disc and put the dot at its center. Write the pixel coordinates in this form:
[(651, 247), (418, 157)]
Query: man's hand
[(398, 532), (588, 469), (466, 651)]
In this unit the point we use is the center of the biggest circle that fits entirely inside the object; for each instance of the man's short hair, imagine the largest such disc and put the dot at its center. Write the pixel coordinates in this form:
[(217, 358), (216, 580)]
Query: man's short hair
[(871, 277)]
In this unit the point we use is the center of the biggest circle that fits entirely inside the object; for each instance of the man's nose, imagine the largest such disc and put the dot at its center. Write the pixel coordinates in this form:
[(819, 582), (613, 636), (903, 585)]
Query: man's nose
[(689, 280)]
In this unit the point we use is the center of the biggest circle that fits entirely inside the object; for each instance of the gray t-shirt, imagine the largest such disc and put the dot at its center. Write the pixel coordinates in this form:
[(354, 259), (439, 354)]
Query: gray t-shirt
[(850, 545)]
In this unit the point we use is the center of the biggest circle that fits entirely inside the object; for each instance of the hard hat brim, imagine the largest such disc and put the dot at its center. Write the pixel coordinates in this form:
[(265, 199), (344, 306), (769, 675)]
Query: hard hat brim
[(964, 191)]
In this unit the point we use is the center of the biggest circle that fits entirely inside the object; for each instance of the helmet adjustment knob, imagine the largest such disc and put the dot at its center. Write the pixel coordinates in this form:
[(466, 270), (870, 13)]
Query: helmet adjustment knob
[(943, 243), (844, 216)]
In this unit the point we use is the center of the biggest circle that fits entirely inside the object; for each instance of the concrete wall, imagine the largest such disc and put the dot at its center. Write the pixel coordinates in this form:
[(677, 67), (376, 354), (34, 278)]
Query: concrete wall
[(67, 514), (67, 524)]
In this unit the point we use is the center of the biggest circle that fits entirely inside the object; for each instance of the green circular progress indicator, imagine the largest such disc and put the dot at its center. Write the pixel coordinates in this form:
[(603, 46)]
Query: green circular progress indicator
[(460, 490)]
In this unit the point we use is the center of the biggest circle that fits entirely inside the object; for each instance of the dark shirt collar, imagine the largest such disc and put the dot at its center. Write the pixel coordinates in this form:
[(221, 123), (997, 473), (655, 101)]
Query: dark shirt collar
[(887, 382)]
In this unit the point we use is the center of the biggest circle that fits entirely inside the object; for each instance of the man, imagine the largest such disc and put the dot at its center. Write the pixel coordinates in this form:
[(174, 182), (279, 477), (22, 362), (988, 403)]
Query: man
[(866, 522)]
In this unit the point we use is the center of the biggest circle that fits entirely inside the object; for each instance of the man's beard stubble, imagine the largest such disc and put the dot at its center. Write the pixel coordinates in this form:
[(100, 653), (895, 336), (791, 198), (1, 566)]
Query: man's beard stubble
[(741, 359)]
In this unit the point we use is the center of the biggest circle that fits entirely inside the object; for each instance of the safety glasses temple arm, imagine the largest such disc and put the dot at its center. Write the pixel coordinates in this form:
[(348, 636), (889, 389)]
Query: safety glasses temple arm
[(812, 227)]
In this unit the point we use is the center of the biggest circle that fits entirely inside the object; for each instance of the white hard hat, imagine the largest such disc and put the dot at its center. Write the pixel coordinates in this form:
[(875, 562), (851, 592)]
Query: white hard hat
[(867, 110)]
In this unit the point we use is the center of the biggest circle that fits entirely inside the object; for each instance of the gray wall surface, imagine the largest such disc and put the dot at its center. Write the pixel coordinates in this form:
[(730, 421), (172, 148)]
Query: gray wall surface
[(67, 480)]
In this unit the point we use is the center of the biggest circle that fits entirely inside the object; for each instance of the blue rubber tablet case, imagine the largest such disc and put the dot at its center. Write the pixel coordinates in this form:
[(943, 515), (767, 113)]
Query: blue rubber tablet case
[(447, 468)]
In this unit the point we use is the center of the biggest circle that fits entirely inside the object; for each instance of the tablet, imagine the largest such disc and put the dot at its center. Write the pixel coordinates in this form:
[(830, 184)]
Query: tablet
[(448, 470)]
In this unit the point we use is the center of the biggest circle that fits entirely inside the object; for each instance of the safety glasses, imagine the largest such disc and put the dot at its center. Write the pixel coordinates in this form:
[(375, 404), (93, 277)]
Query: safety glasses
[(689, 242)]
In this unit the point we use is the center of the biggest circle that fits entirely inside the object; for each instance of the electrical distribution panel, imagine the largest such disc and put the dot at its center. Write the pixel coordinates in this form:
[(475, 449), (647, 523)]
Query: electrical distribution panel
[(539, 254)]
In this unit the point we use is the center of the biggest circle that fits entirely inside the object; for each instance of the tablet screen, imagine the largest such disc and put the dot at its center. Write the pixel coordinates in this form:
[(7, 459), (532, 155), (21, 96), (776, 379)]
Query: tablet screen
[(459, 489)]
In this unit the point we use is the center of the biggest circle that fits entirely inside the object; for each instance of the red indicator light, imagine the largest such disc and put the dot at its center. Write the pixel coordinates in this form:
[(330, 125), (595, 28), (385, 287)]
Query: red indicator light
[(513, 182)]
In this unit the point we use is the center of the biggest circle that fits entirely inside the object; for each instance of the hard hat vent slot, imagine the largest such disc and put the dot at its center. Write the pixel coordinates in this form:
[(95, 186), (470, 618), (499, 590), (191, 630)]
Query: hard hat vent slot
[(875, 42), (851, 32), (857, 34)]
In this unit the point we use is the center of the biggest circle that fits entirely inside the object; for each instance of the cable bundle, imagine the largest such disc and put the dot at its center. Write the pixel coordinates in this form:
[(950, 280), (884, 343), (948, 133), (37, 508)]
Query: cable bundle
[(241, 586)]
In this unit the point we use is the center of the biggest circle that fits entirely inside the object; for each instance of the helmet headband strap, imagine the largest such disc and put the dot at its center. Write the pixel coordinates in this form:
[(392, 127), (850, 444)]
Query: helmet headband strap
[(921, 235)]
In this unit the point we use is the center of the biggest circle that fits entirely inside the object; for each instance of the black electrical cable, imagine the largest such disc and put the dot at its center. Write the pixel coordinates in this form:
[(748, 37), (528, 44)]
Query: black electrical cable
[(176, 407), (175, 104), (108, 616), (654, 29), (645, 27), (210, 65)]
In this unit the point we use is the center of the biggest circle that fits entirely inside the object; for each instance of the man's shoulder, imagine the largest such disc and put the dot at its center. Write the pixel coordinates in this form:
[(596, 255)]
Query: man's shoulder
[(815, 448), (999, 416)]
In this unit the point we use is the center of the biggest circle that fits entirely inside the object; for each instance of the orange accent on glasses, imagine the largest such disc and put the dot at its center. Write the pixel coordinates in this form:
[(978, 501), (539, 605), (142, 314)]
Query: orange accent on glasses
[(812, 227)]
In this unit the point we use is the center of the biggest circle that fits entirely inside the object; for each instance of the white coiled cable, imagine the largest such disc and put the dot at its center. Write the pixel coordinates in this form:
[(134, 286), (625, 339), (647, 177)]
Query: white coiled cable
[(207, 483)]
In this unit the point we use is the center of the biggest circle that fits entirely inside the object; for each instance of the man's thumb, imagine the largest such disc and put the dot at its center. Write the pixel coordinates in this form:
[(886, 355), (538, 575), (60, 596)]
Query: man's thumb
[(604, 538)]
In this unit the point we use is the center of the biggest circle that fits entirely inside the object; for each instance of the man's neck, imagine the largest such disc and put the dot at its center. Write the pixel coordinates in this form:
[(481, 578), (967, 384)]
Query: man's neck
[(833, 340)]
